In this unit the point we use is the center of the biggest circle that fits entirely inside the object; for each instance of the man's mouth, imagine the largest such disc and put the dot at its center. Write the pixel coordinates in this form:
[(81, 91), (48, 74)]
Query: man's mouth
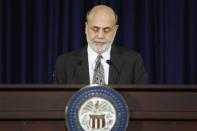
[(99, 42)]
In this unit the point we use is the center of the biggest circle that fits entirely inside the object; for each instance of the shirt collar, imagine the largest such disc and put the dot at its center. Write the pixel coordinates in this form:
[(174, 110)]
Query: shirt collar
[(93, 56)]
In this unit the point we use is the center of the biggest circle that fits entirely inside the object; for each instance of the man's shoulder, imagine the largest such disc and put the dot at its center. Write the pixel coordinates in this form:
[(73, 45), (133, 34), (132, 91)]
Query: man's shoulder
[(124, 51), (72, 54)]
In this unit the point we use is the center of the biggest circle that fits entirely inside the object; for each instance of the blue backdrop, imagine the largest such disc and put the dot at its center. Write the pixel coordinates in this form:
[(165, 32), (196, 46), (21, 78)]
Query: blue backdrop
[(34, 32)]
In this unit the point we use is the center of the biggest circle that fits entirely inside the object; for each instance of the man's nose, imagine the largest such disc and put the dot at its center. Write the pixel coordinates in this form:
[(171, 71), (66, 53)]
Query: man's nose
[(100, 34)]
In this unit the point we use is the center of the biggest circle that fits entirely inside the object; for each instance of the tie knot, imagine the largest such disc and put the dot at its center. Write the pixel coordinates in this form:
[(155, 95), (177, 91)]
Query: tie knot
[(98, 59)]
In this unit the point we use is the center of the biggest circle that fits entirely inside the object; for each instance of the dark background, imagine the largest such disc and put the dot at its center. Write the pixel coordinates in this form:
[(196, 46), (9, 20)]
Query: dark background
[(33, 33)]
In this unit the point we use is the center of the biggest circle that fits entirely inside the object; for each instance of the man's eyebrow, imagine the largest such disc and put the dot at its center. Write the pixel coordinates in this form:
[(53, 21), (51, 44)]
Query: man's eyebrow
[(95, 27), (108, 27)]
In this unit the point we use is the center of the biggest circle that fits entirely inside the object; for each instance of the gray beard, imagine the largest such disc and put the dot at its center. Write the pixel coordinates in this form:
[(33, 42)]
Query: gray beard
[(99, 50)]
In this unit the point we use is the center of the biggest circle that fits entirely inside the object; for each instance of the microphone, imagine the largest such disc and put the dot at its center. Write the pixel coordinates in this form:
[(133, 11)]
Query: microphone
[(115, 67), (54, 77)]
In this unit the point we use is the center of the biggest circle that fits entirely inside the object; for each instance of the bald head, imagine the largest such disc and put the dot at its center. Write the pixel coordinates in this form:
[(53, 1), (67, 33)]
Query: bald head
[(102, 12)]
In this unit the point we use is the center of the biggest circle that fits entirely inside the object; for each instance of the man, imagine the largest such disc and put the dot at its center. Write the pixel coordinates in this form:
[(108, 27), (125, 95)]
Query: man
[(100, 62)]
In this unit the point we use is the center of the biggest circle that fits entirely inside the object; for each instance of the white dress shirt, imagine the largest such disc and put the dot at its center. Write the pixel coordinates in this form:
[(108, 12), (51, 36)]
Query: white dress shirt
[(92, 56)]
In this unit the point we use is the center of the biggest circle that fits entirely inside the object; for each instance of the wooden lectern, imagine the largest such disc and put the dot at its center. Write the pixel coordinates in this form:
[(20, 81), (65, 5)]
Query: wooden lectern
[(151, 107)]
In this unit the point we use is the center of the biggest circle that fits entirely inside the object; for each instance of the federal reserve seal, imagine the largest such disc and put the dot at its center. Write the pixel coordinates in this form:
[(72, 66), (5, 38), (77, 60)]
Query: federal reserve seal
[(97, 108)]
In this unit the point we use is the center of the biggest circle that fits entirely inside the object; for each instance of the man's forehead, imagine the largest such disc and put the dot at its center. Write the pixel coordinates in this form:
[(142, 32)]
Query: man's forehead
[(101, 22), (102, 19)]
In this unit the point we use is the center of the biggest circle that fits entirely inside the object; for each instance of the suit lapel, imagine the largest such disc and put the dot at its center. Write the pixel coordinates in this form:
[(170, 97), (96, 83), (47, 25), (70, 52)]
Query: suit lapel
[(82, 66), (117, 61)]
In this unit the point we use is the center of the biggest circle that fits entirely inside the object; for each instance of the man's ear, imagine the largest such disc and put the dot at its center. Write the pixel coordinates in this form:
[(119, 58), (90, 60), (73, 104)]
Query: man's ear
[(117, 27), (86, 27)]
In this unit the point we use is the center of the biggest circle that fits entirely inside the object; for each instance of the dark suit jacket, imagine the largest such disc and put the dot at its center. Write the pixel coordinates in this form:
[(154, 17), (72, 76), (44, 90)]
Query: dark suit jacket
[(72, 67)]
